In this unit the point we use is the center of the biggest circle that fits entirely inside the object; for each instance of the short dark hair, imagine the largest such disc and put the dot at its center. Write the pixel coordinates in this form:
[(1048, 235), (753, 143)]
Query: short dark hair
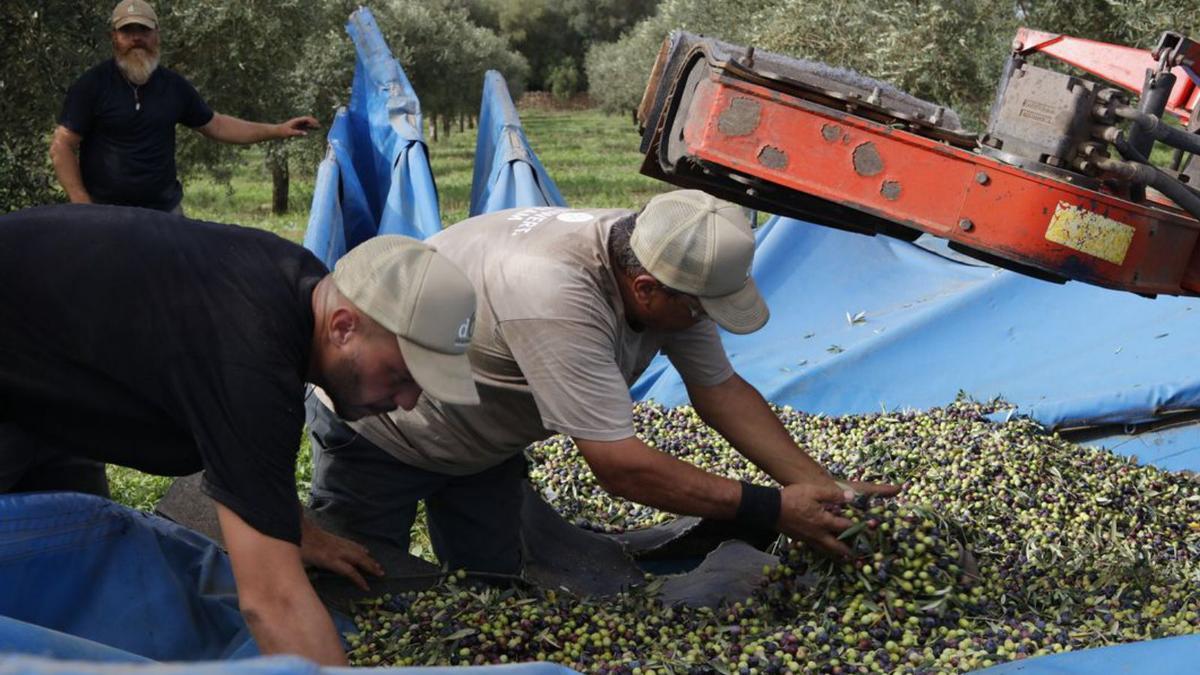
[(619, 249)]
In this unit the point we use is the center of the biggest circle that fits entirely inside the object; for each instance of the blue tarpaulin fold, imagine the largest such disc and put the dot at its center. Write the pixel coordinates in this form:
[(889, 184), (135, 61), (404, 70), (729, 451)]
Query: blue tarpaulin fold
[(132, 582), (326, 232), (507, 172), (88, 583), (859, 324), (385, 109), (376, 178)]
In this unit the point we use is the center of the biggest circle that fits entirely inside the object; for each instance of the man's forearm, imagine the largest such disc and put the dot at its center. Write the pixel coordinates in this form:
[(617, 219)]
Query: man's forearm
[(227, 129), (634, 470), (738, 412), (66, 168), (275, 596), (298, 625), (631, 469)]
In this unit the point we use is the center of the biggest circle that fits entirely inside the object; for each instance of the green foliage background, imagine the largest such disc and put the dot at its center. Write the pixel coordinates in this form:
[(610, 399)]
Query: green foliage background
[(948, 52), (268, 60), (261, 60)]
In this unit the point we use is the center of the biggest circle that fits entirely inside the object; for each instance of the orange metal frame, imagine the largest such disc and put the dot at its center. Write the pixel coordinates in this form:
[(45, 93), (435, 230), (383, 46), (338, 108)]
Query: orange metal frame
[(950, 192)]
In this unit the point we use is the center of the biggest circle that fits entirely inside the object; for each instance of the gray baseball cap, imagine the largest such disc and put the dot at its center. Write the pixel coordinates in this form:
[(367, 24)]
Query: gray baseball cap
[(134, 11), (697, 244), (417, 293)]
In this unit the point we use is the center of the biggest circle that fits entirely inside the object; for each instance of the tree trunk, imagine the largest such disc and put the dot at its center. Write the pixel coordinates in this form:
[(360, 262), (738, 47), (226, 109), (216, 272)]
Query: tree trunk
[(279, 181), (471, 121), (433, 126), (461, 123), (446, 125), (633, 115)]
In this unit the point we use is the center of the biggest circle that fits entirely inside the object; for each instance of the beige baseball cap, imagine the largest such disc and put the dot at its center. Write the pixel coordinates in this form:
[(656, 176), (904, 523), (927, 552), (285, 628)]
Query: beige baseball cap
[(697, 244), (134, 11), (418, 294)]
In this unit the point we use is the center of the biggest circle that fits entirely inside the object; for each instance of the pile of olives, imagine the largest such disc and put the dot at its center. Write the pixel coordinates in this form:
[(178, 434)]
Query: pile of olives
[(1006, 542)]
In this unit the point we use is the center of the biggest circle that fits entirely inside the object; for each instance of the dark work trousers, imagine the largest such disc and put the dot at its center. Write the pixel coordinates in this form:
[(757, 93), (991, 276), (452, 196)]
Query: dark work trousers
[(474, 520), (31, 462)]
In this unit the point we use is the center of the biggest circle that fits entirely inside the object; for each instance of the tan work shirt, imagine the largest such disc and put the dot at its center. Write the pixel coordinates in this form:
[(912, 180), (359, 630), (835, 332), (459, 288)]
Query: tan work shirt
[(551, 352)]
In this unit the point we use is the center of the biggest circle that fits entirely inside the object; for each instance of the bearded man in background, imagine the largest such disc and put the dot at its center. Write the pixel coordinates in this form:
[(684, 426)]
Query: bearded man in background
[(115, 140)]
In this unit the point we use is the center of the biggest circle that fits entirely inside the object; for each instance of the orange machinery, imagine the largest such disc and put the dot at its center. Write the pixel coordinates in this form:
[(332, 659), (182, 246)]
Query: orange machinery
[(1059, 187)]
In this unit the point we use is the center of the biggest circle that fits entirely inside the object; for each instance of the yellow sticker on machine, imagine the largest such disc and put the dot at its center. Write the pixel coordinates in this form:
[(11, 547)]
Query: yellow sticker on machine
[(1089, 232)]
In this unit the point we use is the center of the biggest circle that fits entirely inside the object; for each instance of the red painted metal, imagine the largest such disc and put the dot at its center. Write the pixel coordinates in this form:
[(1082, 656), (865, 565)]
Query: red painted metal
[(946, 191), (1123, 66)]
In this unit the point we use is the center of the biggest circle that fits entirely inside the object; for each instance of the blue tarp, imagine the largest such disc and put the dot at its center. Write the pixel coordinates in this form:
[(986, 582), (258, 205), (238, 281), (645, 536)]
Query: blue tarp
[(859, 324), (384, 109), (89, 568), (507, 172), (87, 582), (376, 177), (326, 233), (1160, 657)]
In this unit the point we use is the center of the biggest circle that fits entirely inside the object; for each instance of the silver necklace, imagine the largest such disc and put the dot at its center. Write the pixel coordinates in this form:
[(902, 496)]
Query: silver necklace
[(137, 99)]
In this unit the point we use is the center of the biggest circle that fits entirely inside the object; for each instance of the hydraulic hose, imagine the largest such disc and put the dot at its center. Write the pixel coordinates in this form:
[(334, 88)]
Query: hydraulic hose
[(1163, 132), (1138, 170), (1153, 101)]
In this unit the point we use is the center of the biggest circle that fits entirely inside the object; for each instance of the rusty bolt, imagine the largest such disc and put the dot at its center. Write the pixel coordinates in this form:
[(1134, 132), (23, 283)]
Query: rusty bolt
[(966, 224), (982, 178)]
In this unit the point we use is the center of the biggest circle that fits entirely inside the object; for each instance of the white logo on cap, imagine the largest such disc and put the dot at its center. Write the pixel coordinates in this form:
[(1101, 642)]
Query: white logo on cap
[(575, 217), (465, 330)]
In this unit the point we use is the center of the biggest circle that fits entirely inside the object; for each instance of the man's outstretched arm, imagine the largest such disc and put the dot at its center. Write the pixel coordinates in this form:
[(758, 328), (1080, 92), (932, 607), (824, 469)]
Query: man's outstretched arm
[(631, 469), (229, 129), (278, 602), (738, 412)]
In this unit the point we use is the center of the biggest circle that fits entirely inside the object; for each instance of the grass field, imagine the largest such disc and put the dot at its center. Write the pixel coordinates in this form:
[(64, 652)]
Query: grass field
[(592, 157)]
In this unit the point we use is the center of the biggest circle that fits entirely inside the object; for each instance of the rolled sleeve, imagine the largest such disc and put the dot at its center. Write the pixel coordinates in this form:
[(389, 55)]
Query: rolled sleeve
[(699, 356)]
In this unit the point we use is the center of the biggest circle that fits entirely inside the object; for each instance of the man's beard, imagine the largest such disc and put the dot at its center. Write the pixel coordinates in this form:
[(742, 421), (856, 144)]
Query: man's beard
[(342, 387), (137, 64)]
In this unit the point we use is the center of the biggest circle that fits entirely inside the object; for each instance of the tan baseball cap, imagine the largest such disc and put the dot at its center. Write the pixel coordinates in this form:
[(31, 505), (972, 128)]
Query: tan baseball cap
[(134, 11), (697, 244), (418, 294)]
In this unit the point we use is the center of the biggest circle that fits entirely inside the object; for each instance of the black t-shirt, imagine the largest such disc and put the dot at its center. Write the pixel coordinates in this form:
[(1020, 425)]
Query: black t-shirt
[(164, 344), (128, 151)]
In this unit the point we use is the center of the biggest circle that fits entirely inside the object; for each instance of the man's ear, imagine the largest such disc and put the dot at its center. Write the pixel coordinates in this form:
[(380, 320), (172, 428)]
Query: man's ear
[(343, 325), (644, 286)]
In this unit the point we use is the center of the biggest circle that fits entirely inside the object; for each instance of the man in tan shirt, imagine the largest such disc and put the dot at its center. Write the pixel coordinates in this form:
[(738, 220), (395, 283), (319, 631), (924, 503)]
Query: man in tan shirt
[(572, 306)]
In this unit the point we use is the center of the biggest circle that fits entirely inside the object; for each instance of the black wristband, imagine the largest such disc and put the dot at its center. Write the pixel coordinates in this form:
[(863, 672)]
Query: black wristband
[(759, 506)]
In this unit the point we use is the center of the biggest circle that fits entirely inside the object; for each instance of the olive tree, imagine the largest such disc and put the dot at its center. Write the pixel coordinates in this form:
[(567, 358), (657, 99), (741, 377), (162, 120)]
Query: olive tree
[(445, 55), (554, 35), (46, 46), (246, 59), (617, 72), (949, 53)]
